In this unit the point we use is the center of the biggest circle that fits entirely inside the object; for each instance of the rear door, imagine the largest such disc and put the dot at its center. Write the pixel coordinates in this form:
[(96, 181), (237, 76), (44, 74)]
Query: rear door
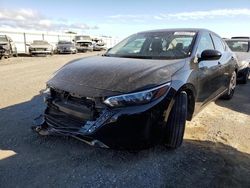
[(225, 63)]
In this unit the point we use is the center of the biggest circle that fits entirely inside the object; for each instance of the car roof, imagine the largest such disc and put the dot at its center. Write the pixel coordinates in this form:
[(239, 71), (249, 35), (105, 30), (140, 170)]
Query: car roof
[(179, 30), (238, 39)]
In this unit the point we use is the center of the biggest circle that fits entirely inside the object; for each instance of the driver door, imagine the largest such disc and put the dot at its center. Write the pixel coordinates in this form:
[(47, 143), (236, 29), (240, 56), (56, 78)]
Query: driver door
[(209, 72)]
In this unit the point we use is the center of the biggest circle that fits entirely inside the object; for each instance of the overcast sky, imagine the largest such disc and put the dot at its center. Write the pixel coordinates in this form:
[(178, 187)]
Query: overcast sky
[(122, 18)]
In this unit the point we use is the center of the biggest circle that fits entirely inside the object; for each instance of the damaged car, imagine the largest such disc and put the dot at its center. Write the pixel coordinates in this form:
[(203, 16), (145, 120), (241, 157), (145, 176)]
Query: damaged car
[(99, 45), (140, 92), (40, 47), (65, 47), (241, 47), (7, 47)]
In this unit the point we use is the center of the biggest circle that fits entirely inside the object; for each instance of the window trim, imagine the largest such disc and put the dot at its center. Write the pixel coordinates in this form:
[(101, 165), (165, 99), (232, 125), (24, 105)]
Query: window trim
[(198, 43), (213, 35)]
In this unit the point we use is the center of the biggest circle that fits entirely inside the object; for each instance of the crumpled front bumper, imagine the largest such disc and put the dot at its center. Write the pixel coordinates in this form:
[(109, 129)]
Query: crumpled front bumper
[(129, 127)]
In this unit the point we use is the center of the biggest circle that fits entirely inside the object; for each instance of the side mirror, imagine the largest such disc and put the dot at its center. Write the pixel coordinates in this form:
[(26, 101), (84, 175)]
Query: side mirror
[(208, 55), (109, 49), (27, 44)]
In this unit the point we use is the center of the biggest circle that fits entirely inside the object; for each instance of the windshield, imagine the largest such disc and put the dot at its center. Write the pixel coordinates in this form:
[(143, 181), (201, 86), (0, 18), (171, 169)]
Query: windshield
[(155, 45), (82, 38), (39, 42), (238, 45), (3, 38)]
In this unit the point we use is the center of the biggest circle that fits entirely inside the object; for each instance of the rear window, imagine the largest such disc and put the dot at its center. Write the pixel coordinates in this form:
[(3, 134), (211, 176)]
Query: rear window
[(238, 46)]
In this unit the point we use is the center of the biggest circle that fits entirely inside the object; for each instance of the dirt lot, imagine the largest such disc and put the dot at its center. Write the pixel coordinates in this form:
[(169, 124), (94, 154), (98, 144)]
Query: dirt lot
[(216, 151)]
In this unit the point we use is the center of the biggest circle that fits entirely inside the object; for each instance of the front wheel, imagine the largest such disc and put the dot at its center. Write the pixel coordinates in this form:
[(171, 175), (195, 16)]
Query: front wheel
[(15, 54), (231, 87), (176, 122)]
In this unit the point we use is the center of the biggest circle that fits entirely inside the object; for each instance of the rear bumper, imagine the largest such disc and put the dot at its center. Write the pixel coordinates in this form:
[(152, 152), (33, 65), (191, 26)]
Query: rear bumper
[(124, 128)]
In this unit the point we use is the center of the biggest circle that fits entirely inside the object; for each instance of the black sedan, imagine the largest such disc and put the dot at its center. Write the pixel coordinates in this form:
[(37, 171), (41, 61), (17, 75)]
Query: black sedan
[(140, 92)]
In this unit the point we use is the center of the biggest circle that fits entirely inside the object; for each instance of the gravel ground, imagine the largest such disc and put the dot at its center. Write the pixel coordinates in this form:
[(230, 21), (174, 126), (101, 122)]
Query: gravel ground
[(215, 153)]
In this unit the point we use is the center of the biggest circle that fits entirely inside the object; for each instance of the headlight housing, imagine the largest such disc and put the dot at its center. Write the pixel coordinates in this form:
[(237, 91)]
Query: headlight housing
[(137, 98)]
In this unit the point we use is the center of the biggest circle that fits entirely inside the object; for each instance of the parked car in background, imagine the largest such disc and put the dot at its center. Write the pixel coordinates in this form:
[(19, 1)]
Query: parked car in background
[(7, 47), (83, 43), (241, 47), (40, 47), (99, 45), (141, 91), (66, 47)]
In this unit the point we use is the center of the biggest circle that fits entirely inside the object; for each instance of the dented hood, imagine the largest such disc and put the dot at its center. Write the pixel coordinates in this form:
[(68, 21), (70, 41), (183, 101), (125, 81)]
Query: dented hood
[(101, 76)]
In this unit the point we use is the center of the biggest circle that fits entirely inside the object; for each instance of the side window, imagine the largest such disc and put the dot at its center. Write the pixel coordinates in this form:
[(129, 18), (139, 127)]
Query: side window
[(218, 43), (205, 43)]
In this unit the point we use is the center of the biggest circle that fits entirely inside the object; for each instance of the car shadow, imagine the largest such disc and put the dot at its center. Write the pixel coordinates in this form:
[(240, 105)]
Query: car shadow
[(66, 162), (240, 101)]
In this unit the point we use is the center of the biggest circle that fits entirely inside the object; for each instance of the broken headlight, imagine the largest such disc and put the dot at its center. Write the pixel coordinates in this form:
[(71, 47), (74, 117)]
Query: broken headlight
[(137, 98)]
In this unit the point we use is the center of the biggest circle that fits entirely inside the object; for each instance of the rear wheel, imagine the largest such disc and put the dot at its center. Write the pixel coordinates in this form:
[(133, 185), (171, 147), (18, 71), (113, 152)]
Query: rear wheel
[(231, 87), (176, 122)]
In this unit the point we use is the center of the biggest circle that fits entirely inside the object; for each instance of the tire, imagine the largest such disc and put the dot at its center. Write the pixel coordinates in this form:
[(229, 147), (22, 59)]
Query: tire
[(8, 55), (15, 54), (231, 87), (175, 127), (245, 77)]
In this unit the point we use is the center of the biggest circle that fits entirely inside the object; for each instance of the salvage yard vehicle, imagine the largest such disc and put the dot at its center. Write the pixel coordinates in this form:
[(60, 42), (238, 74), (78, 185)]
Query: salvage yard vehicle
[(66, 47), (241, 47), (83, 43), (7, 47), (99, 45), (40, 47), (140, 92), (2, 50)]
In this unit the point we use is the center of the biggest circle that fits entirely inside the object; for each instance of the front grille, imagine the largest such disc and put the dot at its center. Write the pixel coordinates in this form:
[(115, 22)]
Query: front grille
[(66, 96), (85, 44), (39, 49), (62, 120), (69, 112)]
